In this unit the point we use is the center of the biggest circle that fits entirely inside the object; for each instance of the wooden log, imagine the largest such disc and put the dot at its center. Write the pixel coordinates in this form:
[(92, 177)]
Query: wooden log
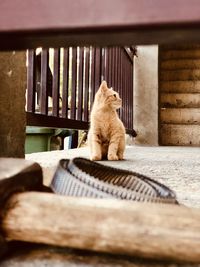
[(175, 64), (119, 227), (180, 115), (185, 46), (183, 53), (37, 255), (180, 135), (180, 75), (180, 100), (180, 86)]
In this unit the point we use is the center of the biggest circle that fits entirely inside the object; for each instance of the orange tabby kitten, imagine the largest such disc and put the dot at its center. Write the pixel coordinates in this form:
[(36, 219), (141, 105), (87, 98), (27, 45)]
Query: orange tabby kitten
[(106, 137)]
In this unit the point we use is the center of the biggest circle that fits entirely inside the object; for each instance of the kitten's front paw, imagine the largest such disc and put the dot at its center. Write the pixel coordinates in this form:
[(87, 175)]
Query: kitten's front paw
[(112, 157), (121, 156), (95, 158)]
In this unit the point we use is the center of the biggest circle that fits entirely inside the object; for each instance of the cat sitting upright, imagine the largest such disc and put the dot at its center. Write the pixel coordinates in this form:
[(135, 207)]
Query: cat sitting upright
[(106, 137)]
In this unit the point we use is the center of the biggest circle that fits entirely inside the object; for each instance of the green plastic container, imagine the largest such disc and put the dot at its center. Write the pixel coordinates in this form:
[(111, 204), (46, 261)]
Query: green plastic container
[(38, 139)]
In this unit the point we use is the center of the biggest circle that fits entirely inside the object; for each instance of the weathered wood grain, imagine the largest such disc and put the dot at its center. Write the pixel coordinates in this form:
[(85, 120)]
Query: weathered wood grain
[(180, 115), (179, 82), (180, 86), (175, 64), (121, 227), (181, 135), (180, 100), (180, 75), (180, 54), (31, 255)]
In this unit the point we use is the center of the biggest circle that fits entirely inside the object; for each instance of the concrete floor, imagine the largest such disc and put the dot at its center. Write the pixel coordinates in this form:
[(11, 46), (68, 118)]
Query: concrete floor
[(176, 167)]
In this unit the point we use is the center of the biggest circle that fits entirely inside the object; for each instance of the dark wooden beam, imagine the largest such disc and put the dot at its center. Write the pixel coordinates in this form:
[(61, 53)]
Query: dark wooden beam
[(25, 24), (54, 122)]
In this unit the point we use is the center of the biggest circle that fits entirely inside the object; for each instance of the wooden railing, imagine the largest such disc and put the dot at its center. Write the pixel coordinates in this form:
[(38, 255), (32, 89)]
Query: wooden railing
[(61, 84)]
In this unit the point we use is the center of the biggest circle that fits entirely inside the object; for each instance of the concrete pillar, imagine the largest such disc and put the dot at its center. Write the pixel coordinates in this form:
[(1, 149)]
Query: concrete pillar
[(12, 103), (146, 95)]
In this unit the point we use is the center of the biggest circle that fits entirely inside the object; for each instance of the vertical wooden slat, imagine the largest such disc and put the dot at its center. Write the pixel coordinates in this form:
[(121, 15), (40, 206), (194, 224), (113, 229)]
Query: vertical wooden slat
[(86, 87), (92, 73), (132, 92), (31, 80), (74, 83), (56, 82), (110, 66), (65, 75), (106, 76), (116, 68), (103, 64), (125, 90), (44, 90), (122, 86), (113, 68), (80, 84), (119, 77), (127, 108), (127, 94), (129, 90), (97, 69)]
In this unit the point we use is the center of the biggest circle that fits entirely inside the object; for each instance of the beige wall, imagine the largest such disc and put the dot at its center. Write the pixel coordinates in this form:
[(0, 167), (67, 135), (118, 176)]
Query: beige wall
[(12, 103), (146, 95)]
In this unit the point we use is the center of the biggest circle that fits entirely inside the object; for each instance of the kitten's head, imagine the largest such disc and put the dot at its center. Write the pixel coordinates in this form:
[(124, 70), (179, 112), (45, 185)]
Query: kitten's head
[(107, 97)]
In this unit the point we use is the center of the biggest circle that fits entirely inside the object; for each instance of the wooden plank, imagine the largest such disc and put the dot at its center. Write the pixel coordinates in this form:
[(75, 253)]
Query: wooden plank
[(180, 135), (180, 100), (180, 54), (106, 77), (56, 82), (132, 97), (80, 84), (31, 80), (180, 115), (180, 75), (98, 63), (132, 20), (44, 80), (74, 84), (180, 46), (113, 64), (27, 255), (92, 73), (103, 63), (69, 15), (65, 91), (86, 83), (107, 225), (109, 81), (175, 64), (126, 91), (54, 122), (121, 82), (180, 86)]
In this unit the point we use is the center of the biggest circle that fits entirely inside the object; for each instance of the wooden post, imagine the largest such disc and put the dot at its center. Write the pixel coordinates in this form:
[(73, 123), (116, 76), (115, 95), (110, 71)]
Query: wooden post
[(12, 103), (119, 227)]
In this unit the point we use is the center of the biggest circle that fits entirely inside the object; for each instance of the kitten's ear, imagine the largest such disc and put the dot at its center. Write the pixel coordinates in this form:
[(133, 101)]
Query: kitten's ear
[(103, 87)]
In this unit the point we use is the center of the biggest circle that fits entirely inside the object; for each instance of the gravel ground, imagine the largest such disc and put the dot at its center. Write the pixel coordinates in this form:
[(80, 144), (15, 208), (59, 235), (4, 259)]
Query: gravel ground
[(176, 167)]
